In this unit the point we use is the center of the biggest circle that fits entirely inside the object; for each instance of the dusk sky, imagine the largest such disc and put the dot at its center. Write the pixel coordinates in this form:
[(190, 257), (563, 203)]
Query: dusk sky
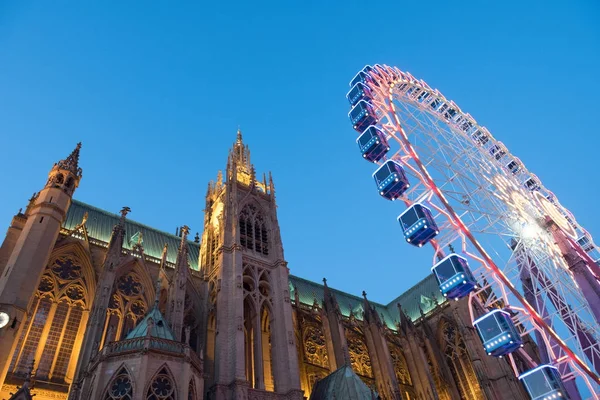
[(156, 91)]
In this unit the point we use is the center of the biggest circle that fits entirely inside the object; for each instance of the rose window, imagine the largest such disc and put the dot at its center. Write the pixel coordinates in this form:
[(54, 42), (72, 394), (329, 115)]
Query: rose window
[(66, 269)]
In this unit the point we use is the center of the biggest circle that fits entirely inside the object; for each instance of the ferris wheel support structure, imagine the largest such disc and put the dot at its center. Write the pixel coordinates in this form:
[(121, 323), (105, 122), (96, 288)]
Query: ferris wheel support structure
[(488, 260), (472, 186), (582, 267)]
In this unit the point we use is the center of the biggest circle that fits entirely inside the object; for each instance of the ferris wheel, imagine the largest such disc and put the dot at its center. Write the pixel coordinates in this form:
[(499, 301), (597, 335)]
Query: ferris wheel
[(501, 240)]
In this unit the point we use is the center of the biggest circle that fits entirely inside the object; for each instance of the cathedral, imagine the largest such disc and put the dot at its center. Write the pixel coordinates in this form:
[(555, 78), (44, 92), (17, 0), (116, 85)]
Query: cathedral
[(94, 305)]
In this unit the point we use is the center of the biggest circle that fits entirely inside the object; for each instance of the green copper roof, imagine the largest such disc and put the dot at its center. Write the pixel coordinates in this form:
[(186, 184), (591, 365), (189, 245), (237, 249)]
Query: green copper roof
[(160, 327), (423, 295), (100, 224), (342, 384), (308, 291)]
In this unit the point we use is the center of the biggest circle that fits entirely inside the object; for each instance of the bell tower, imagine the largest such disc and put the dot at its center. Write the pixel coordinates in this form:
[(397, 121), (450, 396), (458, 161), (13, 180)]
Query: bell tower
[(20, 278), (250, 341)]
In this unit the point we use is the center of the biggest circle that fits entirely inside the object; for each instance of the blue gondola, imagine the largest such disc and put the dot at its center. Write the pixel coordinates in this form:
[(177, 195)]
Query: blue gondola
[(362, 115), (454, 276), (363, 76), (373, 144), (418, 225), (544, 382), (359, 92), (498, 333), (391, 180)]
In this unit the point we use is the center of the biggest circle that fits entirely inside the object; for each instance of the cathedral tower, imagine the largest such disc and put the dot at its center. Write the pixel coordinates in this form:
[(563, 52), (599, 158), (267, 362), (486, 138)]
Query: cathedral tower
[(22, 272), (250, 342)]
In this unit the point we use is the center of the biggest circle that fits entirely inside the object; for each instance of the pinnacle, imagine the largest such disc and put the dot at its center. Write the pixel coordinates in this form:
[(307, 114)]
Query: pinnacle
[(239, 136), (124, 211), (71, 163)]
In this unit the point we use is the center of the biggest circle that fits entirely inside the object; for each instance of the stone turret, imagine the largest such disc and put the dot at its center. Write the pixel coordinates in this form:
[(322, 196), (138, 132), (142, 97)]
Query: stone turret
[(31, 251)]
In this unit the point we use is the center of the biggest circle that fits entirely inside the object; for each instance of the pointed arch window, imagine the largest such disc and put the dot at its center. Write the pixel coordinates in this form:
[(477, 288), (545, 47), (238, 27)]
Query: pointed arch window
[(192, 390), (315, 348), (455, 352), (253, 230), (126, 307), (400, 365), (120, 388), (57, 312), (162, 387), (359, 355)]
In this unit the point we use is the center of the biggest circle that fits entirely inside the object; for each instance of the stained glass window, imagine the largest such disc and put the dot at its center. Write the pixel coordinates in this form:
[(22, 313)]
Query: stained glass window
[(120, 388), (161, 387)]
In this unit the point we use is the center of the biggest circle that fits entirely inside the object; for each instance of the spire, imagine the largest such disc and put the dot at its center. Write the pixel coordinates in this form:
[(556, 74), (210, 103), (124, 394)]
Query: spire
[(163, 257), (177, 288), (185, 230), (370, 314), (157, 291), (239, 156), (329, 301), (239, 136), (71, 163), (115, 245), (124, 211), (405, 322)]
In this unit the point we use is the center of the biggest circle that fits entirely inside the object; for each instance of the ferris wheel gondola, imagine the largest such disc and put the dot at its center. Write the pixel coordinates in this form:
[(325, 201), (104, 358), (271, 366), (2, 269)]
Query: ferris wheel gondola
[(520, 250)]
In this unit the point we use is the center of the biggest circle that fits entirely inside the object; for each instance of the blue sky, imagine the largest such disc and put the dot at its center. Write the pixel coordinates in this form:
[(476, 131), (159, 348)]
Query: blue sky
[(156, 90)]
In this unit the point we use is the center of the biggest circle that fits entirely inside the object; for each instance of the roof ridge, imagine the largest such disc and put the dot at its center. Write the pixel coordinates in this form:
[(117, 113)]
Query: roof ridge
[(409, 290), (100, 210), (337, 290)]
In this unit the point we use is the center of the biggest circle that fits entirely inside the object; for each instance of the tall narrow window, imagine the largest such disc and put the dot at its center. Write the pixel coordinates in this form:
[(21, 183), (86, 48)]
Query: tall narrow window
[(48, 338), (458, 360), (253, 230), (192, 390), (127, 305)]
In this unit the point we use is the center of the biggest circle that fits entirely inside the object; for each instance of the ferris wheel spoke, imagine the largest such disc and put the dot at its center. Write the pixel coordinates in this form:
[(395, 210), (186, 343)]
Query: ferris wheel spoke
[(490, 209)]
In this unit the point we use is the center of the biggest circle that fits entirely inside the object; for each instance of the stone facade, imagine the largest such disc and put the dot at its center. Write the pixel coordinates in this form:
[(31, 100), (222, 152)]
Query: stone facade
[(77, 280)]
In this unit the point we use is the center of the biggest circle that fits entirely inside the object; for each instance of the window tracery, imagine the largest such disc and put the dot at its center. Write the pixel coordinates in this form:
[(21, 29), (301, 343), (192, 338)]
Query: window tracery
[(120, 388), (126, 307), (256, 284), (315, 347), (400, 366), (192, 390), (359, 355), (455, 352), (59, 304), (161, 387), (253, 230)]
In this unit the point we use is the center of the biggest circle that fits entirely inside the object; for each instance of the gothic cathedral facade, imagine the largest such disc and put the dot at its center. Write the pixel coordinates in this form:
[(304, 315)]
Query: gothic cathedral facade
[(97, 306)]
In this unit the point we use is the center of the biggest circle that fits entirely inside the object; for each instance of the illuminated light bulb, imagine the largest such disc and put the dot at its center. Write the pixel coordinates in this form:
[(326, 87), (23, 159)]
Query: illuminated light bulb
[(511, 342), (464, 281)]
